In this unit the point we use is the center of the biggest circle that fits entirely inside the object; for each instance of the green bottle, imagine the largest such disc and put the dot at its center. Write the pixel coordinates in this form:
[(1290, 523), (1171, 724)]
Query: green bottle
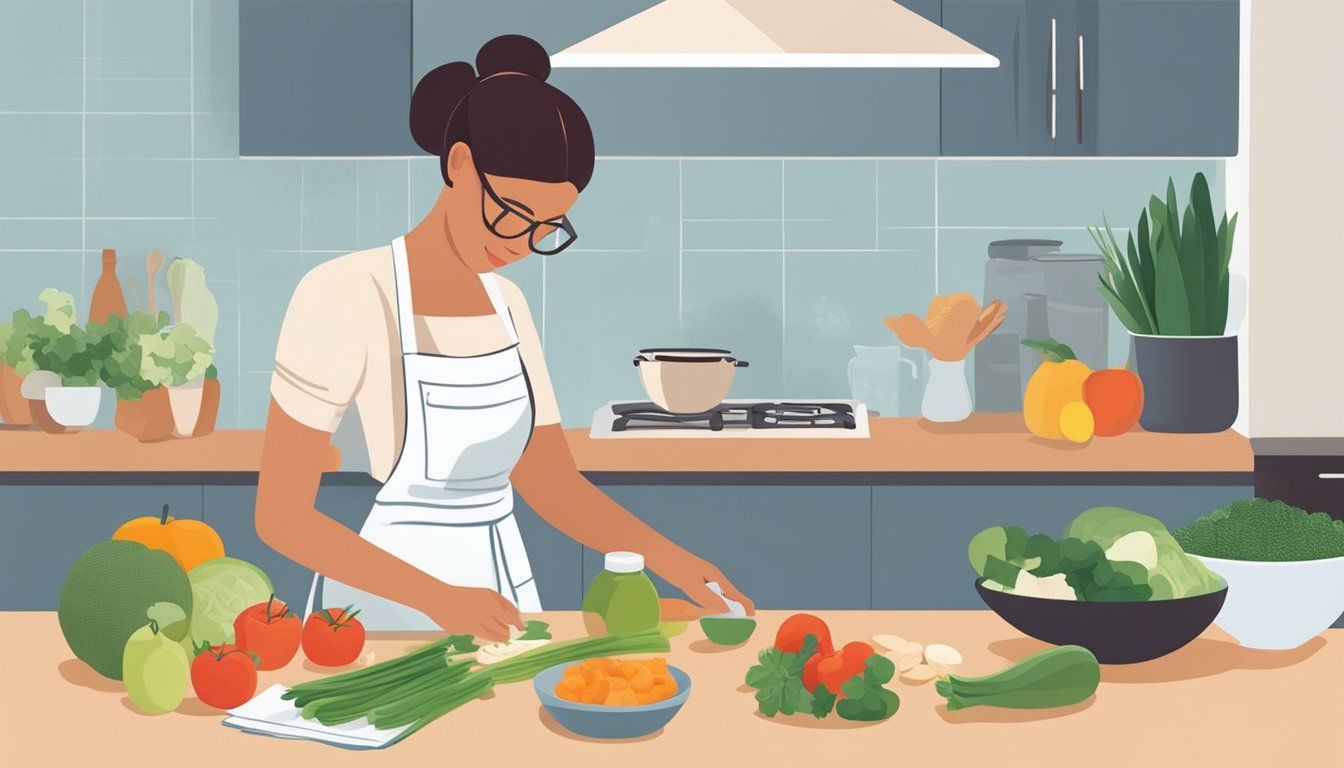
[(621, 598)]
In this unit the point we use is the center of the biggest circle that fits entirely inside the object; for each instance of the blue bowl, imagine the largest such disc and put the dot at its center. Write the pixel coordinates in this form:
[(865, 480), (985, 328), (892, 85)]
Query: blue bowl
[(598, 721)]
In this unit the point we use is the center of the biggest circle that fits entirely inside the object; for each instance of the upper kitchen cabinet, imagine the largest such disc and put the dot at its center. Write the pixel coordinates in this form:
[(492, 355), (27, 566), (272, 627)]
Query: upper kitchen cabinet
[(700, 111), (1094, 77), (324, 77), (1166, 77)]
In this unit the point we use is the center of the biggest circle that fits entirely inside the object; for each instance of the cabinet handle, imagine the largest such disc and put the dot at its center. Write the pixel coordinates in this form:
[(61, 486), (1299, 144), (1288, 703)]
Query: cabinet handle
[(1053, 74), (1078, 100), (1332, 475)]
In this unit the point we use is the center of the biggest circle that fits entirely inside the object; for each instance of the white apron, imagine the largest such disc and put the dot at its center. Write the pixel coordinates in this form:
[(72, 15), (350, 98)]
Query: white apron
[(447, 509)]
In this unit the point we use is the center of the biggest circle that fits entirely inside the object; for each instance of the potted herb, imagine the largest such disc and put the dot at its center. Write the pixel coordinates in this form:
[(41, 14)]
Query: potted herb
[(16, 362), (177, 358), (143, 410), (70, 357), (1170, 287)]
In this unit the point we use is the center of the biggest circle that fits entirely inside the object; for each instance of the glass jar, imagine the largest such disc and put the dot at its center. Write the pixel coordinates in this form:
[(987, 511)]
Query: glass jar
[(621, 598)]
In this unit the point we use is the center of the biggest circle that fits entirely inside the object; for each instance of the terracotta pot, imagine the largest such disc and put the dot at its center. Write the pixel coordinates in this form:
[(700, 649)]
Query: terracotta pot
[(13, 405), (43, 419), (205, 424), (148, 419)]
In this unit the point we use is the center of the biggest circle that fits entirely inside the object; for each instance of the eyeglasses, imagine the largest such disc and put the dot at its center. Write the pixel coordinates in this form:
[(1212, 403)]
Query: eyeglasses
[(512, 224)]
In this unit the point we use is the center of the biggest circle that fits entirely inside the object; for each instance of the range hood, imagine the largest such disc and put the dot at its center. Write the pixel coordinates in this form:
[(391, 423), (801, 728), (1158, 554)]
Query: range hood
[(855, 34)]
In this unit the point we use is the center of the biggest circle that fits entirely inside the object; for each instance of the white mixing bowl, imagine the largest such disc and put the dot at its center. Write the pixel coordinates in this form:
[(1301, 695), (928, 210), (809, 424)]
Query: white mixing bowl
[(1279, 605)]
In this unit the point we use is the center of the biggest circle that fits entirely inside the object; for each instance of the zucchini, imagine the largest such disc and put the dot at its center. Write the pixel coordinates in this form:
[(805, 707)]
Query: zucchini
[(1057, 677)]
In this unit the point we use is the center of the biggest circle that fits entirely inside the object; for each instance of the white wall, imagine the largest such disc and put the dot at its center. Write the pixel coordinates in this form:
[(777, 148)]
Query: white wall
[(1296, 191)]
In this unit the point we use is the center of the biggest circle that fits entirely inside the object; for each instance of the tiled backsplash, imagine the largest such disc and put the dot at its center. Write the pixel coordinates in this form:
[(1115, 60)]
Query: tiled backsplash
[(118, 128)]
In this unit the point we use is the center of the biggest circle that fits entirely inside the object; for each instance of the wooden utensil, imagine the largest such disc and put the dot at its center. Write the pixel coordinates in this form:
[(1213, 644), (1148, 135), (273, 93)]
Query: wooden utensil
[(153, 262)]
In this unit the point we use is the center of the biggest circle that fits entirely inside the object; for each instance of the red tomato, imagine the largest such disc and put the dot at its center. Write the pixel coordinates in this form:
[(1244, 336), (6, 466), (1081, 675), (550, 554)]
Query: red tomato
[(797, 627), (333, 637), (224, 677), (836, 669), (269, 630)]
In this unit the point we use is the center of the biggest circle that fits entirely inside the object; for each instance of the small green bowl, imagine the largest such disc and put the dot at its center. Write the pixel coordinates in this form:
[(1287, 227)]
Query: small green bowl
[(725, 630)]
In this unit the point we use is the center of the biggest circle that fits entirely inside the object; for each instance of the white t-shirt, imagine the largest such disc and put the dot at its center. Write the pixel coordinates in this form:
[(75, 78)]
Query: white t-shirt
[(340, 345)]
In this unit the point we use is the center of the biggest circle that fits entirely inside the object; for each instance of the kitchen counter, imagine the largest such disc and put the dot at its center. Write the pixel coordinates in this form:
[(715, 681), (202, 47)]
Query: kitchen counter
[(987, 443), (1211, 703)]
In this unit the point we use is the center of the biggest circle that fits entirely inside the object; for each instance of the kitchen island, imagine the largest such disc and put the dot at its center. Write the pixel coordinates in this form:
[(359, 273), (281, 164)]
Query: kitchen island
[(1212, 703)]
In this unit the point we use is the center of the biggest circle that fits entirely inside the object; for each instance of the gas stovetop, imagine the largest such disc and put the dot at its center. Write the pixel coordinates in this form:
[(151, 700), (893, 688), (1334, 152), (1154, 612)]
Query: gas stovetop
[(735, 418)]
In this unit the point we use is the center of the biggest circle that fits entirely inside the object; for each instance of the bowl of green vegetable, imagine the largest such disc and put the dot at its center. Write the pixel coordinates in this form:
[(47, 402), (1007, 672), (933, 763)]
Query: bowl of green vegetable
[(1116, 583), (1285, 567)]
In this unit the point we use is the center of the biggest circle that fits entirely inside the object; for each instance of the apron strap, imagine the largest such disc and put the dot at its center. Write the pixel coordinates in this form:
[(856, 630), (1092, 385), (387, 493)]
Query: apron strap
[(401, 273), (501, 307)]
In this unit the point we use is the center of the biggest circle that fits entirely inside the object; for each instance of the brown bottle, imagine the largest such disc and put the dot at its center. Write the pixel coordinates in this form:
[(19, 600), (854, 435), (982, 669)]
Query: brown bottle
[(107, 297)]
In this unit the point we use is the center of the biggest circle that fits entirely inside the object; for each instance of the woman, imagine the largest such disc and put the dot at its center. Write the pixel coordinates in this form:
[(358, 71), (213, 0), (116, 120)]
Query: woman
[(442, 359)]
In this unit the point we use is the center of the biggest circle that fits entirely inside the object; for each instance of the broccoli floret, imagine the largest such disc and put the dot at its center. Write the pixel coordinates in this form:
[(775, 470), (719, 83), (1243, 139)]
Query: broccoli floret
[(1264, 531)]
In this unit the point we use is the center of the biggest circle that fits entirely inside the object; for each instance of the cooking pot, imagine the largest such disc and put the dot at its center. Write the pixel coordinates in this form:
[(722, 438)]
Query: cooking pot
[(687, 380)]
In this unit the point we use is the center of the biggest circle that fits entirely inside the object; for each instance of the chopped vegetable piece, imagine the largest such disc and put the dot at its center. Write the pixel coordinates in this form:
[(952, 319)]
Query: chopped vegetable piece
[(617, 682), (890, 642), (944, 655), (922, 673)]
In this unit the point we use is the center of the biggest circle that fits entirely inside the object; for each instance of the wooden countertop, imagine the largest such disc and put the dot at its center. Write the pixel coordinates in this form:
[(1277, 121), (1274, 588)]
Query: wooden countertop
[(986, 442), (1212, 703)]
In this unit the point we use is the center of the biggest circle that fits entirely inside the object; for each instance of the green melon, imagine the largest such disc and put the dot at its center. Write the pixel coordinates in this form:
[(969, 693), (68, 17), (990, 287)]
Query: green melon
[(106, 594)]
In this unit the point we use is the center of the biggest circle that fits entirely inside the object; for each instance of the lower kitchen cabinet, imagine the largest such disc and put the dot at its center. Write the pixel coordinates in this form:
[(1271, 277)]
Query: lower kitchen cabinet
[(784, 546), (48, 526), (920, 533)]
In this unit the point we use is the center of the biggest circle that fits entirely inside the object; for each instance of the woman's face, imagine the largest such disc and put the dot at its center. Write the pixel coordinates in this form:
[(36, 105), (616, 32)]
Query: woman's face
[(490, 223)]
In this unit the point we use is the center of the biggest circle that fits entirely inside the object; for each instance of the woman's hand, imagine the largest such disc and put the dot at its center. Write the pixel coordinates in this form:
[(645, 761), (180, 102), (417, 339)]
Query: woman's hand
[(690, 574), (473, 611)]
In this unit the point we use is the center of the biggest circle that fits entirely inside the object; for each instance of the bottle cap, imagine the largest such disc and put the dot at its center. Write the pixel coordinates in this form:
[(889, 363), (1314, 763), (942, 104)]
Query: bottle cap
[(624, 562)]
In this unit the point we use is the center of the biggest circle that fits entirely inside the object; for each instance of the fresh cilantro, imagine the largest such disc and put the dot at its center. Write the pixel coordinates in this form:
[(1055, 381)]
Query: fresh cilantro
[(865, 698), (778, 680), (823, 701)]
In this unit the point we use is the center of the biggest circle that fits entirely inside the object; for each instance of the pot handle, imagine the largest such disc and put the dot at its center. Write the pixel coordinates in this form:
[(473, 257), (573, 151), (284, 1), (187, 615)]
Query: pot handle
[(740, 364), (640, 359)]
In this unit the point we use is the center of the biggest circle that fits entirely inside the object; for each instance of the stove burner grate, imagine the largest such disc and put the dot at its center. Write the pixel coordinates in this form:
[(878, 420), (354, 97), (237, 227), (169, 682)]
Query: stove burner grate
[(763, 415)]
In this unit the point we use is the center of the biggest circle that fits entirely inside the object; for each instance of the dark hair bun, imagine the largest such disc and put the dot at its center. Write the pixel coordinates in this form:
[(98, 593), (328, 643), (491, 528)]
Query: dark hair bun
[(433, 101), (513, 53)]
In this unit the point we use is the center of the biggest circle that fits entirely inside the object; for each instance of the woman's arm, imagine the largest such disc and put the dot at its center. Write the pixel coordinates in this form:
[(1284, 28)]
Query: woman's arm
[(293, 458), (548, 479)]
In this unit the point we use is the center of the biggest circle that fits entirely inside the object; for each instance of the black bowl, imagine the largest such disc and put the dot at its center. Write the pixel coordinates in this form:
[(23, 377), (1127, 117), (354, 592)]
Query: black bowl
[(1116, 633)]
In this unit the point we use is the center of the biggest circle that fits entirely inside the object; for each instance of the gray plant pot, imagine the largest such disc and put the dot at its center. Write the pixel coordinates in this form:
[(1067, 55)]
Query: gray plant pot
[(1189, 382)]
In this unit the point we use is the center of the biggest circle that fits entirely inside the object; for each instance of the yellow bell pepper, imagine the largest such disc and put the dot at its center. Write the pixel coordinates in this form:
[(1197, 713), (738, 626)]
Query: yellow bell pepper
[(1056, 383)]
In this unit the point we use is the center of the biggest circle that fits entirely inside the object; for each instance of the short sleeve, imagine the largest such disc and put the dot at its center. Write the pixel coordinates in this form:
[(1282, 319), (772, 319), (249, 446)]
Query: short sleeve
[(544, 405), (322, 351)]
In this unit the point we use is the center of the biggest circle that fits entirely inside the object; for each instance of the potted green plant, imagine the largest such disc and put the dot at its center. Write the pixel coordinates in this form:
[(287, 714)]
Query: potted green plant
[(178, 358), (1170, 288), (63, 349), (143, 409), (16, 362)]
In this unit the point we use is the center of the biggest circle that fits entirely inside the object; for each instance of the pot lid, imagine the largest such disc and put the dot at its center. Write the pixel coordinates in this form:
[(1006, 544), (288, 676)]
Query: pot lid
[(686, 354)]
